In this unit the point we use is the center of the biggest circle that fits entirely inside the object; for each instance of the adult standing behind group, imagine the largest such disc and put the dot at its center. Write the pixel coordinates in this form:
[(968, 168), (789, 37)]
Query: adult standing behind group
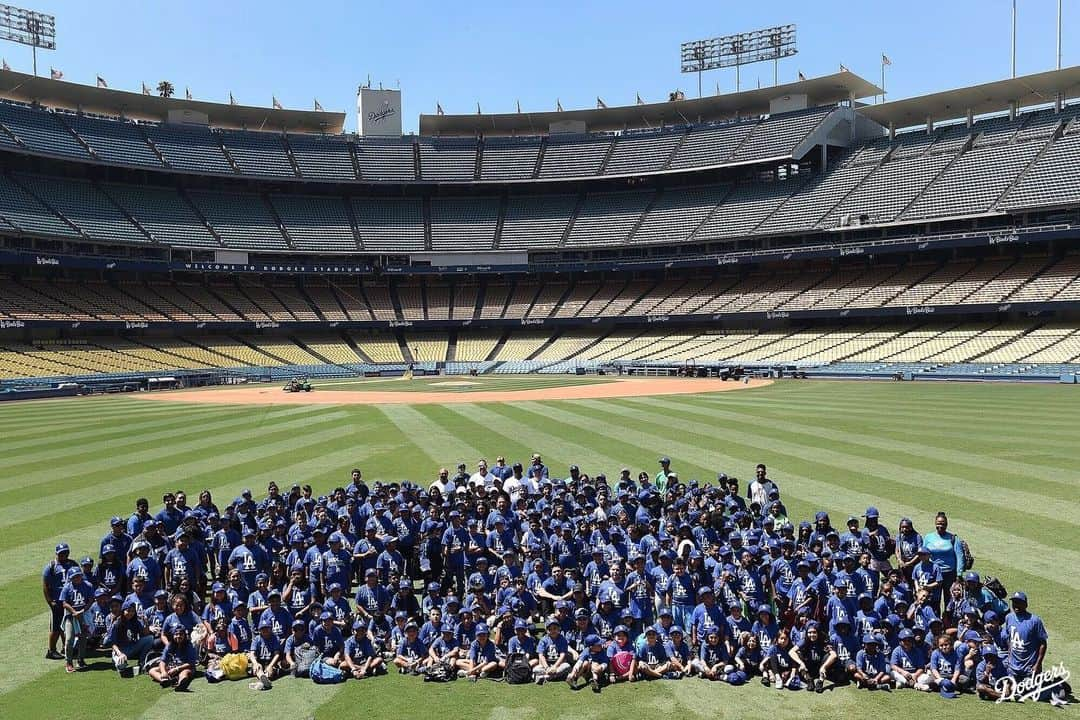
[(947, 553)]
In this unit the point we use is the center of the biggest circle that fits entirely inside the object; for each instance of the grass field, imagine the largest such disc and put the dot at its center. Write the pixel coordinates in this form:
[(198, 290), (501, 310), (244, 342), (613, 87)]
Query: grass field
[(1001, 459)]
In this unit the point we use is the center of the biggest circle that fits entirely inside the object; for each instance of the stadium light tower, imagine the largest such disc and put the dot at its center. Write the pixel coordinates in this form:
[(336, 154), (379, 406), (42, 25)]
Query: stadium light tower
[(738, 50), (27, 27)]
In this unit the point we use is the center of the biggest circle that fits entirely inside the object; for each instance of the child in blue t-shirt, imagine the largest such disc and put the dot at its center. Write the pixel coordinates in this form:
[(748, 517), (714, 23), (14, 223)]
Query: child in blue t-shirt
[(361, 658)]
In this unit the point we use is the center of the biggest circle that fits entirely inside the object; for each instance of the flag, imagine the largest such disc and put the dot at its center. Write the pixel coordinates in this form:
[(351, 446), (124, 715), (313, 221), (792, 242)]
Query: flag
[(55, 74), (232, 100), (438, 109), (477, 107), (558, 105), (885, 59), (639, 100), (801, 77), (145, 89), (318, 107), (101, 82), (519, 107), (187, 93), (277, 105), (6, 66), (842, 68), (600, 104)]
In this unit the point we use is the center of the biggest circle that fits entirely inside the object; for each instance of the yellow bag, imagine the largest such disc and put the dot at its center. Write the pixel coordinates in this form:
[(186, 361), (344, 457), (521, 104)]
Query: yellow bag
[(235, 666)]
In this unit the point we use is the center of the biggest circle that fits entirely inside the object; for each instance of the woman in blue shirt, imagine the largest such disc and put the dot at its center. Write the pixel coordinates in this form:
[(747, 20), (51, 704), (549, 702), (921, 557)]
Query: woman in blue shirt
[(945, 551)]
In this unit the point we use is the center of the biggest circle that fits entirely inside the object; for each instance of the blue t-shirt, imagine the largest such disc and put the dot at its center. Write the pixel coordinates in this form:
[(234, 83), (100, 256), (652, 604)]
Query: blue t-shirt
[(910, 660), (412, 650), (1026, 634), (655, 654), (77, 595), (175, 654), (525, 645), (482, 653), (359, 650), (264, 649), (328, 642), (552, 648), (871, 664)]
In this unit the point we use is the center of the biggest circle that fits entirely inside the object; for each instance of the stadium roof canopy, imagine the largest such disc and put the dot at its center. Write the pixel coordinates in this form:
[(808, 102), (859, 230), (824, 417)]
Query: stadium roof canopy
[(826, 90), (1025, 91), (22, 87)]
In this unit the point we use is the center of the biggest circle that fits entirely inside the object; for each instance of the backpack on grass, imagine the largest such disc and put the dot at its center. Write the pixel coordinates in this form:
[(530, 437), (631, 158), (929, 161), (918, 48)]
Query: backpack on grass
[(325, 674), (518, 670), (305, 655)]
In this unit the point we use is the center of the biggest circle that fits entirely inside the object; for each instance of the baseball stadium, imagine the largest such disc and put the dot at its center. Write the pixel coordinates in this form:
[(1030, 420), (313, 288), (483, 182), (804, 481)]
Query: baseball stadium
[(760, 403)]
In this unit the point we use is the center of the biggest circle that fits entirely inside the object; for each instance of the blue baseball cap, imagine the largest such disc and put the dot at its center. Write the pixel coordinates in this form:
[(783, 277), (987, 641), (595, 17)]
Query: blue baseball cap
[(871, 512), (62, 547), (481, 629), (1019, 596)]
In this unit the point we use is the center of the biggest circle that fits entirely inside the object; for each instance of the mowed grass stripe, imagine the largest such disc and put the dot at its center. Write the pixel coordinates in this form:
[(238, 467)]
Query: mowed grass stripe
[(880, 456), (12, 413), (159, 464), (116, 429), (1036, 530), (882, 432), (436, 441), (477, 437), (227, 473), (48, 474), (1056, 565), (494, 417), (949, 489), (290, 698), (25, 462), (914, 415), (26, 435)]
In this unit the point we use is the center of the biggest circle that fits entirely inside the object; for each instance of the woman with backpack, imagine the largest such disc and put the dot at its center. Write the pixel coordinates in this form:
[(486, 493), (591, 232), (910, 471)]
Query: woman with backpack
[(947, 553)]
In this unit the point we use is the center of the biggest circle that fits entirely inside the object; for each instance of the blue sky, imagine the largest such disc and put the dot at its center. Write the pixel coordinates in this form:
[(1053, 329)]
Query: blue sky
[(497, 53)]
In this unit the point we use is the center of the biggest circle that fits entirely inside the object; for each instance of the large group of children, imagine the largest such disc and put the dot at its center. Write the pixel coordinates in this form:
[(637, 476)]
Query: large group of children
[(509, 573)]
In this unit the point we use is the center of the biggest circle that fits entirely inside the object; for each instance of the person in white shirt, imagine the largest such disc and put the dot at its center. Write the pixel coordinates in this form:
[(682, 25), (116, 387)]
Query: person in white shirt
[(481, 477), (443, 482)]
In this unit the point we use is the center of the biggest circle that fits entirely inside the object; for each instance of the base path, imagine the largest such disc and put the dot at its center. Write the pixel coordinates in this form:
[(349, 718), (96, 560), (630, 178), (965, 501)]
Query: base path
[(625, 387)]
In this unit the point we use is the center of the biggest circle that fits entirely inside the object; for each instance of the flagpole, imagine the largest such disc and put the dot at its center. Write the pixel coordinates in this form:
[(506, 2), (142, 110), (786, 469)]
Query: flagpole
[(882, 78)]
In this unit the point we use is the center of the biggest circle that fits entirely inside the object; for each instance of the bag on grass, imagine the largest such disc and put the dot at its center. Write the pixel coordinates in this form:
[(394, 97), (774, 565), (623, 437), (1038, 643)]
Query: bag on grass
[(518, 670), (305, 654), (441, 672), (234, 666), (324, 674)]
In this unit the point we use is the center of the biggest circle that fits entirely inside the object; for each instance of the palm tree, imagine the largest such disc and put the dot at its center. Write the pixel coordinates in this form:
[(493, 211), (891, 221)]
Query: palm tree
[(165, 89)]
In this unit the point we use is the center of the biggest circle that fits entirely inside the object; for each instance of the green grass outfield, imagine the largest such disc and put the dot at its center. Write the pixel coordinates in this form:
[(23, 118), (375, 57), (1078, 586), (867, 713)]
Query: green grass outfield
[(1001, 459), (461, 383)]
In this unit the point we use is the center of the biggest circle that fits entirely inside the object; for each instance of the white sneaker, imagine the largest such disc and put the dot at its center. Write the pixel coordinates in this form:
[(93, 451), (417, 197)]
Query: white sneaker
[(923, 687), (1057, 700), (778, 683)]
